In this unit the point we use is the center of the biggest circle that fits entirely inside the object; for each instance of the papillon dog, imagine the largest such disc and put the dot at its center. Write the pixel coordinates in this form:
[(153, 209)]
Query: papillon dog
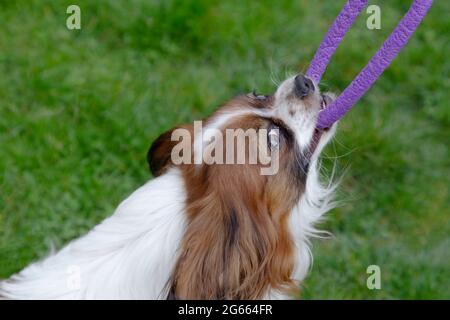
[(207, 228)]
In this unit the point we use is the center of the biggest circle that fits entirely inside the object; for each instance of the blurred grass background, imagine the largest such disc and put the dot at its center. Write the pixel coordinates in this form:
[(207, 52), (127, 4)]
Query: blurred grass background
[(79, 109)]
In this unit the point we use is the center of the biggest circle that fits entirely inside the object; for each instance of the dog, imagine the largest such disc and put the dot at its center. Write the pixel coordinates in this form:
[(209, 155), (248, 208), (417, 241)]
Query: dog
[(206, 230)]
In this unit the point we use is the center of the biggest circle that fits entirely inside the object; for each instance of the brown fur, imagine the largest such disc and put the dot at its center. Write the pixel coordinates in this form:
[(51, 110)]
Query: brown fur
[(237, 244), (159, 155)]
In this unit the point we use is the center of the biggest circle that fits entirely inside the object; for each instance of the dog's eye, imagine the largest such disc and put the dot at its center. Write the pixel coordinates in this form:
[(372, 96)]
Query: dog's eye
[(273, 137)]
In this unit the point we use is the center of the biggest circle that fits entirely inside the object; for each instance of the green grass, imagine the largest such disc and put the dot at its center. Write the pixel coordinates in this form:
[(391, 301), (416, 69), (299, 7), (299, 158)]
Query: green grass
[(79, 109)]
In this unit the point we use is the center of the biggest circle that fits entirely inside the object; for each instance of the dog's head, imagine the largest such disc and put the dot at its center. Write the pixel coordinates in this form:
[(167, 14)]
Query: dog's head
[(244, 168), (249, 129)]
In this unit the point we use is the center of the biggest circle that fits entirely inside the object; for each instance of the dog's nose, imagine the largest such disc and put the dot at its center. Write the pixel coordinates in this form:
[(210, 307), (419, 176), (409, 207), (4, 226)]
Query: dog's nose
[(303, 86)]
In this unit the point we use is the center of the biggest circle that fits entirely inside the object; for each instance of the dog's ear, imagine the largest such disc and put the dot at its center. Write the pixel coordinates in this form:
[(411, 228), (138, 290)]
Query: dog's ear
[(159, 155)]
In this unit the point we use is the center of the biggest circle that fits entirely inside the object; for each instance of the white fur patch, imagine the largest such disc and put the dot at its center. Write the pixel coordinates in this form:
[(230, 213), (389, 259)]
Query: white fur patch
[(130, 255)]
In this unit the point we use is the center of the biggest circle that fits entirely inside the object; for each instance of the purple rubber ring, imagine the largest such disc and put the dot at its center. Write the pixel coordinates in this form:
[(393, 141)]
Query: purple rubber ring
[(374, 68)]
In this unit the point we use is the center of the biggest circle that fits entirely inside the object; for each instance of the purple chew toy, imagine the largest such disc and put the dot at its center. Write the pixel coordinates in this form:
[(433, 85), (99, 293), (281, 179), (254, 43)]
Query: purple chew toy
[(374, 68)]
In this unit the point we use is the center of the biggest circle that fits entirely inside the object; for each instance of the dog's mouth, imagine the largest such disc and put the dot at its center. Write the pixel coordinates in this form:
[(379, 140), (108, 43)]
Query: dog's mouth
[(325, 102)]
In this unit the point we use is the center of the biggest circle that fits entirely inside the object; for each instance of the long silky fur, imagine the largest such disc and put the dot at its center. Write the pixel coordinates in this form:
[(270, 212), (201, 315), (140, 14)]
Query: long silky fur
[(128, 256)]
